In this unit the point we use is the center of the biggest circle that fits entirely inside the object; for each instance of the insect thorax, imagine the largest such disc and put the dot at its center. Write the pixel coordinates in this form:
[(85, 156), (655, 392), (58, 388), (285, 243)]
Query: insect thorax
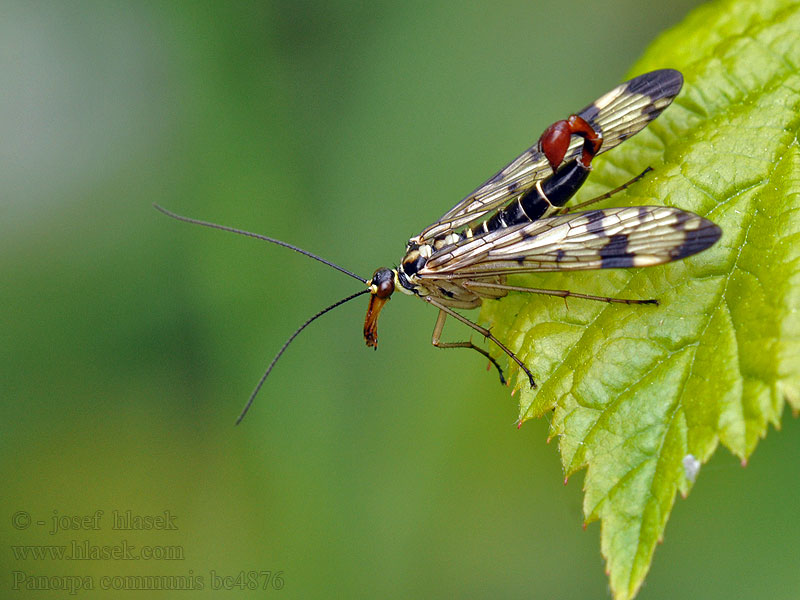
[(449, 291)]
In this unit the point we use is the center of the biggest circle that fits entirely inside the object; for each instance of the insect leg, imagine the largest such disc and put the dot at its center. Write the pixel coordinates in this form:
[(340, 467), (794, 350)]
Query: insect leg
[(605, 196), (559, 293), (435, 340), (482, 330)]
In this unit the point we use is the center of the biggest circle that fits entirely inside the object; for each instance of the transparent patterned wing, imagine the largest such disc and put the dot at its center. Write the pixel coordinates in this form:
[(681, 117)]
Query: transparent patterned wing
[(637, 236)]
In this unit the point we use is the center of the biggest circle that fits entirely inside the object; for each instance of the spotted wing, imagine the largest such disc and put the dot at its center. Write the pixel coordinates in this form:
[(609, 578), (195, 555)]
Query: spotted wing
[(637, 236), (619, 114)]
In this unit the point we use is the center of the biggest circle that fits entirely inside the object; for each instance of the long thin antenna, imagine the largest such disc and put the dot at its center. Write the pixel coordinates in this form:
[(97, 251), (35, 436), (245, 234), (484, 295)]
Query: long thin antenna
[(257, 236), (286, 345)]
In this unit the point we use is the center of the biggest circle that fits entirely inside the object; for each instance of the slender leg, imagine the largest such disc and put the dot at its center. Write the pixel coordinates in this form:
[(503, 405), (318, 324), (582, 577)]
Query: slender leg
[(437, 330), (605, 196), (435, 340), (559, 293)]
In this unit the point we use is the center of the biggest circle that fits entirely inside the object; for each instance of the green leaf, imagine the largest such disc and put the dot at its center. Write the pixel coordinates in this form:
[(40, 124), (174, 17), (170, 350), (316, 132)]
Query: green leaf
[(634, 390)]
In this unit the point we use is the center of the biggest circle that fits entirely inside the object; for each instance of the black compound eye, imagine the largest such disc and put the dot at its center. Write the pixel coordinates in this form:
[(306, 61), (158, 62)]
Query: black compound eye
[(385, 289), (383, 280)]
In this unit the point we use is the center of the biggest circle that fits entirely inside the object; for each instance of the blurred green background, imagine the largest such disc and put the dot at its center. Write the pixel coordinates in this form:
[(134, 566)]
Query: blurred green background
[(130, 341)]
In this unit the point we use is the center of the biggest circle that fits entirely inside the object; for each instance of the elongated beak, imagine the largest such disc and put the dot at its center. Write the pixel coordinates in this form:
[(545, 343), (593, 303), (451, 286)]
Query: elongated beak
[(371, 321)]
